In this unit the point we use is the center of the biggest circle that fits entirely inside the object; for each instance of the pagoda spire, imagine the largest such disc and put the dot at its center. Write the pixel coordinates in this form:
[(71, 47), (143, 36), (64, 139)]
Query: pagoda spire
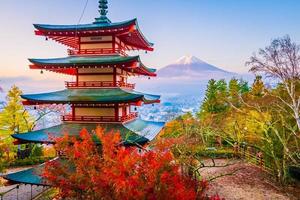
[(103, 12)]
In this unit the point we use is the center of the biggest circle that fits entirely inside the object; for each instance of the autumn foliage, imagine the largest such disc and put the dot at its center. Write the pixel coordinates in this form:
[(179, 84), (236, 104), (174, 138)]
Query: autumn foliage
[(111, 171)]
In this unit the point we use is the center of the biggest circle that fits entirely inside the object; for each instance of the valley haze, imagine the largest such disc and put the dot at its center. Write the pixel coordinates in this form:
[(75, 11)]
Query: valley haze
[(182, 85)]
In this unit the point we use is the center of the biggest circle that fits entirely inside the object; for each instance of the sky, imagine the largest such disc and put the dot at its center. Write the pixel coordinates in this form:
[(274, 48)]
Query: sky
[(224, 33)]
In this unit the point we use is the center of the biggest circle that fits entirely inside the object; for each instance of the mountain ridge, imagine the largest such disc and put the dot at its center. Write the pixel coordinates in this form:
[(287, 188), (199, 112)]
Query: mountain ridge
[(191, 66)]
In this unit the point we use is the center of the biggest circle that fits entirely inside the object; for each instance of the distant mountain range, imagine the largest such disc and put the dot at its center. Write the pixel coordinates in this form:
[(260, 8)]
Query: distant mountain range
[(192, 67), (182, 85), (185, 77)]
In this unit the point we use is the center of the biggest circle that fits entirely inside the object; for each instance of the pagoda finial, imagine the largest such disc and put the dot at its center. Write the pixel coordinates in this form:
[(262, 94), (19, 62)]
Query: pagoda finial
[(103, 12)]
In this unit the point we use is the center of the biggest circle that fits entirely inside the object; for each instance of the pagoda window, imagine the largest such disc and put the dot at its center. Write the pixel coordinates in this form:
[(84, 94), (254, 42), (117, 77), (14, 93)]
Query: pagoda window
[(96, 46), (95, 112), (95, 70), (87, 78), (97, 43), (95, 74), (96, 39)]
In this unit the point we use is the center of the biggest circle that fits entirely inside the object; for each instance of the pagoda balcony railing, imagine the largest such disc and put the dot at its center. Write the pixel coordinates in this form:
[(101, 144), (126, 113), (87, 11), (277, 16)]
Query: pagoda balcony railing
[(99, 84), (103, 51), (95, 119)]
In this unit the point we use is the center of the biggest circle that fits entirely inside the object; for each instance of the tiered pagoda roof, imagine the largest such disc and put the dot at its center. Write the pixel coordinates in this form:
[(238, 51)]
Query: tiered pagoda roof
[(101, 65), (30, 176), (134, 132), (69, 65), (107, 95), (128, 32)]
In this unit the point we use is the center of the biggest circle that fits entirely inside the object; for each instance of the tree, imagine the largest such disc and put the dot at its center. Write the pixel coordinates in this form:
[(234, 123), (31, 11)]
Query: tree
[(281, 60), (234, 92), (215, 99), (111, 171), (263, 123), (14, 118)]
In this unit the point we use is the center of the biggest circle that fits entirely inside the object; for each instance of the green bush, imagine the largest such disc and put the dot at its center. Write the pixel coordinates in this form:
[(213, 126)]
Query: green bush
[(28, 161), (36, 151)]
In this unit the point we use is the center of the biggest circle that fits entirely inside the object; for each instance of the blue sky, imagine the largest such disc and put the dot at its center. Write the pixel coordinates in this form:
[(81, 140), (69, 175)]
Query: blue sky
[(222, 32)]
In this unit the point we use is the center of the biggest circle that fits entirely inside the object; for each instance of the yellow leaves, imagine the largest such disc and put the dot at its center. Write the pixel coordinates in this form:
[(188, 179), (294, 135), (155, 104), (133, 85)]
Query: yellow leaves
[(49, 151)]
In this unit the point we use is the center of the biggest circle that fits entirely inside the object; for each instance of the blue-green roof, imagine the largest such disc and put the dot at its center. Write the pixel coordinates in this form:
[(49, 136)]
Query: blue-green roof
[(30, 176), (87, 60), (79, 60), (112, 95), (85, 27), (93, 26), (137, 131)]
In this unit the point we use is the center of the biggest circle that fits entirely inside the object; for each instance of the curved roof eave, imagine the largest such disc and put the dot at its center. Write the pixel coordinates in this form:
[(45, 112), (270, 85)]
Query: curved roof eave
[(136, 131), (79, 27), (71, 60), (113, 95)]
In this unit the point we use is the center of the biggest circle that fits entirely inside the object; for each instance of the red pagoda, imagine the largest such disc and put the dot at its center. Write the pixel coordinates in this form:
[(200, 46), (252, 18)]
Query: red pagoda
[(101, 94)]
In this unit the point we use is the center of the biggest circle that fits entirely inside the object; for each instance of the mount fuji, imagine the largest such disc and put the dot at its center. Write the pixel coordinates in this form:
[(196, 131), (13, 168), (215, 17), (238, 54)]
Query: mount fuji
[(193, 67), (186, 76)]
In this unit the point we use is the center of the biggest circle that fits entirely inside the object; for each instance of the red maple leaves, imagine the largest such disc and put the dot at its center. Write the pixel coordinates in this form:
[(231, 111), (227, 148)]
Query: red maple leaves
[(111, 171)]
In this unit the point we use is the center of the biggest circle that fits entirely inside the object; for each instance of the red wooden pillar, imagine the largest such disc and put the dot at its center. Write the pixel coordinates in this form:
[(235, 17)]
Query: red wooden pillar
[(114, 43), (73, 112), (116, 112), (77, 77), (115, 77), (78, 43)]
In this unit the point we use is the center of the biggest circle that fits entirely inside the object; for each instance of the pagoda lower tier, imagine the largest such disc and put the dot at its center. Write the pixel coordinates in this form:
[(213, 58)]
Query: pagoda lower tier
[(30, 176), (134, 132)]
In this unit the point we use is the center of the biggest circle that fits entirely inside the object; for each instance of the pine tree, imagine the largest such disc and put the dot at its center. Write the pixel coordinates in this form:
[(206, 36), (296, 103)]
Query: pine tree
[(234, 90), (222, 97), (258, 87), (244, 87), (215, 98), (210, 97)]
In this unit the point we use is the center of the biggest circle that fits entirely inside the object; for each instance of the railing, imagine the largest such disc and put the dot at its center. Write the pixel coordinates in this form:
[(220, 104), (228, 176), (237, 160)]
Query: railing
[(22, 191), (253, 155), (99, 84), (129, 117), (72, 52), (70, 118)]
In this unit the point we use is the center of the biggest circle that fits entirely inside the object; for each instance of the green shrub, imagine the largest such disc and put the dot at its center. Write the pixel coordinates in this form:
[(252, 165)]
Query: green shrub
[(28, 161), (36, 151)]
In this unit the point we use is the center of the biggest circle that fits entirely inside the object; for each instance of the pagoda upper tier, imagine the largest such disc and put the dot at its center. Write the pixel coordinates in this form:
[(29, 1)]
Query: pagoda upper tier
[(98, 37), (131, 65), (91, 96)]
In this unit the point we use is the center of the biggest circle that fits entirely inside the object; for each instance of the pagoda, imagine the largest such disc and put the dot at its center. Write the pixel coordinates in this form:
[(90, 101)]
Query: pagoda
[(101, 94)]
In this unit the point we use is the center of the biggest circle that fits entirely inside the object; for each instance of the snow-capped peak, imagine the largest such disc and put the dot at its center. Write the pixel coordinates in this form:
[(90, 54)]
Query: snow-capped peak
[(186, 60)]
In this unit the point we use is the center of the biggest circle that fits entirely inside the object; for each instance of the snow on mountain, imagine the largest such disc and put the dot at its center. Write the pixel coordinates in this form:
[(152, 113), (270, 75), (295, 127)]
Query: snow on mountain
[(185, 77), (185, 60), (191, 66)]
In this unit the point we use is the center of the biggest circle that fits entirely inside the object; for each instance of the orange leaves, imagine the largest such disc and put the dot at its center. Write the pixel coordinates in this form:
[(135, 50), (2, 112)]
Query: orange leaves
[(111, 171)]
